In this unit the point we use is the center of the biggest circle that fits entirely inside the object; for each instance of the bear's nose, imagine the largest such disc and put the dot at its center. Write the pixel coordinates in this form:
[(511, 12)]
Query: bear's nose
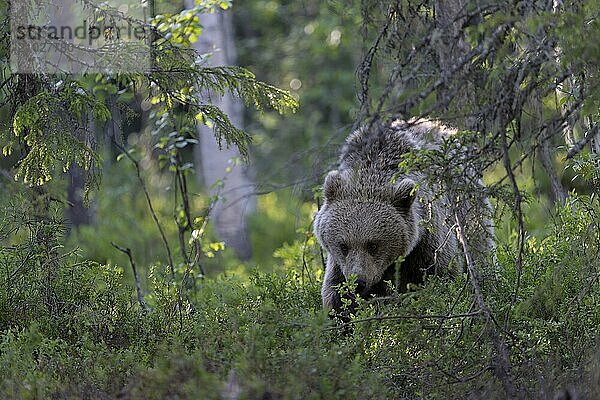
[(361, 285)]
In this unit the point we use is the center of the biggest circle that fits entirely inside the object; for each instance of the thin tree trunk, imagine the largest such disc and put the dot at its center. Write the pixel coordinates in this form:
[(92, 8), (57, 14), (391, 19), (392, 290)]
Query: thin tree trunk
[(214, 163), (451, 48), (449, 20), (78, 212), (558, 195), (595, 143)]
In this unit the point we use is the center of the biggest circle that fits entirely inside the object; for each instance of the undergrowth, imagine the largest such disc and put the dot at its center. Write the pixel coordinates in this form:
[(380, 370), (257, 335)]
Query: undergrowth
[(72, 328)]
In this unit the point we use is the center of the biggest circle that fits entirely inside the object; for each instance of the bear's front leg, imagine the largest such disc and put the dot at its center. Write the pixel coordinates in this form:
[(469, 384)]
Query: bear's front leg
[(332, 301), (329, 294)]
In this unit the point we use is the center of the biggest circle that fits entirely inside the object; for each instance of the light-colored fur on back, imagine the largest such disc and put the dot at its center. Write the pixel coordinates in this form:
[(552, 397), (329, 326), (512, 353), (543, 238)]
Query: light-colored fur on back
[(367, 221)]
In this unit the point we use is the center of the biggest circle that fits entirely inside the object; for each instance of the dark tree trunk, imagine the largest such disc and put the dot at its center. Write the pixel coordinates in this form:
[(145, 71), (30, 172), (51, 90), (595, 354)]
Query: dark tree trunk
[(80, 212), (77, 212), (558, 195)]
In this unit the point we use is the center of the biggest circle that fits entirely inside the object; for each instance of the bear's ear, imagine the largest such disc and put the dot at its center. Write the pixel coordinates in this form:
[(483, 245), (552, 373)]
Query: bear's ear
[(333, 186), (404, 194)]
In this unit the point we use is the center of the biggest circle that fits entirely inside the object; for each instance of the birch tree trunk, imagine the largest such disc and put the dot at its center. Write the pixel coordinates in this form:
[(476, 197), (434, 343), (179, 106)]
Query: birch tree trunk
[(213, 163)]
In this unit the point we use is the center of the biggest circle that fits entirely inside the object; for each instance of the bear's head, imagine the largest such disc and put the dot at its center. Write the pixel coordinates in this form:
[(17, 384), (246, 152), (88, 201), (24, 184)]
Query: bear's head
[(366, 230)]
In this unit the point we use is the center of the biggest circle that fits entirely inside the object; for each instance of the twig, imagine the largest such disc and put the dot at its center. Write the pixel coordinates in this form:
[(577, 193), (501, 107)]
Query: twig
[(149, 201), (457, 379), (503, 370), (481, 50), (181, 229), (16, 270), (403, 317), (364, 71), (183, 189), (518, 210), (577, 147), (138, 285)]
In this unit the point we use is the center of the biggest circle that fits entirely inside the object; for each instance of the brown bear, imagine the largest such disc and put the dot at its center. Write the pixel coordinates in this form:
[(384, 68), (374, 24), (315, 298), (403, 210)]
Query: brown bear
[(372, 215)]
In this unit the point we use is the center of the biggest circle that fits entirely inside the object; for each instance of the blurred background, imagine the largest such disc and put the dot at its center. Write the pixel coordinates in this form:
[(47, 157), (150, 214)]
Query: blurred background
[(310, 48)]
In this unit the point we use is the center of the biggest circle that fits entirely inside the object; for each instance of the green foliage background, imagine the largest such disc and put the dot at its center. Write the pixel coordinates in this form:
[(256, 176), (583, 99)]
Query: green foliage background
[(73, 327)]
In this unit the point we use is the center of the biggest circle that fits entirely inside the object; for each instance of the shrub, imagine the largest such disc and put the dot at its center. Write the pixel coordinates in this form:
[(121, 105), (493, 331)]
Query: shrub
[(74, 329)]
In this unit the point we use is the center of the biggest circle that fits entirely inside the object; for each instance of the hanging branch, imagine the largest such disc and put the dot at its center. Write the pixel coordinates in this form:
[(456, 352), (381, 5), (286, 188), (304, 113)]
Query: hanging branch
[(149, 201)]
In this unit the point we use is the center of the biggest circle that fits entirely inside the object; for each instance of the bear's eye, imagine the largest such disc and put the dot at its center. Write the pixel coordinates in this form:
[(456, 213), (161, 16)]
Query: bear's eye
[(344, 248), (372, 248)]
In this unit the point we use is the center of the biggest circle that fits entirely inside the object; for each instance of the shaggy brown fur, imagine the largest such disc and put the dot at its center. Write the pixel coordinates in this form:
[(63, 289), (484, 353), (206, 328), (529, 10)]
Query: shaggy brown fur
[(367, 222)]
